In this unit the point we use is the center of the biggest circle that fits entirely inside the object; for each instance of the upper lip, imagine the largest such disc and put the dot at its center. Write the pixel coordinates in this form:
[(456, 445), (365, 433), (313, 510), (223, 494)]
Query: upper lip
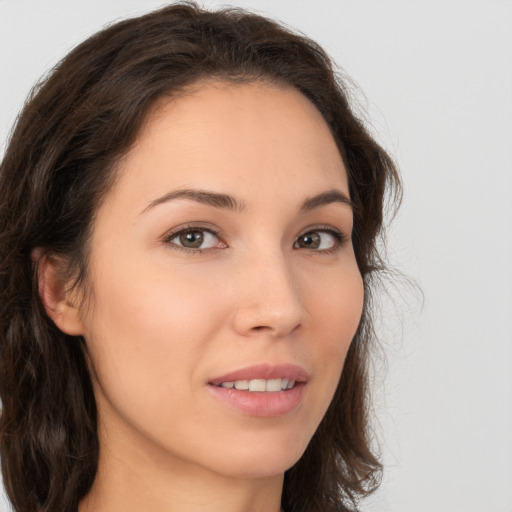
[(264, 371)]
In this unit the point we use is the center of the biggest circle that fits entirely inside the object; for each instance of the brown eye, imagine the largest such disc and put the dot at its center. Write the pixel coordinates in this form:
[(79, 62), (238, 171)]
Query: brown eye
[(191, 239), (194, 239), (319, 240), (309, 241)]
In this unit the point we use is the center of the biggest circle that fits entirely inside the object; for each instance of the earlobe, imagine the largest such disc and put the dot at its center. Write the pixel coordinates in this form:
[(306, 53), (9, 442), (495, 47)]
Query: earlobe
[(60, 304)]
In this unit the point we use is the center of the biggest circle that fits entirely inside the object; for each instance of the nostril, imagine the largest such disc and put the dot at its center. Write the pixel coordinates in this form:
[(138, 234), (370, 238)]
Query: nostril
[(268, 328)]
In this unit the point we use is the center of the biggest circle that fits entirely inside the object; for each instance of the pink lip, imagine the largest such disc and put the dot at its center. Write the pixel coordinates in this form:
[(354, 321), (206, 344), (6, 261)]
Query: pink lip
[(262, 404), (264, 371)]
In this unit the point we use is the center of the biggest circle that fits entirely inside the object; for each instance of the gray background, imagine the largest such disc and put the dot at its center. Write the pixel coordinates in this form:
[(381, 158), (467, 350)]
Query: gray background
[(437, 82)]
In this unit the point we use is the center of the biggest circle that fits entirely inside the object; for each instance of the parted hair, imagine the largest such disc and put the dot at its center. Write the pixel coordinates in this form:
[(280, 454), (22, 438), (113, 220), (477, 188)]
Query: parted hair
[(60, 163)]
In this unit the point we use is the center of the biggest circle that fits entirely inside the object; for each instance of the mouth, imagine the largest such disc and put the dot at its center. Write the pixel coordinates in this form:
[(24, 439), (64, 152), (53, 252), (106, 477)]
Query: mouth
[(262, 390)]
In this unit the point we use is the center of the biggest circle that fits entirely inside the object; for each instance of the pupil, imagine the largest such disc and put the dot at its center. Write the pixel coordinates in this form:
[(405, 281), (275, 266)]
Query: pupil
[(311, 240), (193, 239)]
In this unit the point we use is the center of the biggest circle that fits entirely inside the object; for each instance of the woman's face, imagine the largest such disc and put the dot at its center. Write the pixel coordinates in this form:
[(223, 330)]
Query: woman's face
[(222, 258)]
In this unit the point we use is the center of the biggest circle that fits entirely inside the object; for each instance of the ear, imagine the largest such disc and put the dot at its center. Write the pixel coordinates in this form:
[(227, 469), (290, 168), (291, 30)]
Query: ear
[(60, 303)]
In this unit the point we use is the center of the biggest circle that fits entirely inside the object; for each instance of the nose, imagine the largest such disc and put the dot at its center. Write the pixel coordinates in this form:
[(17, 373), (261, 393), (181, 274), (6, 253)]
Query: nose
[(268, 298)]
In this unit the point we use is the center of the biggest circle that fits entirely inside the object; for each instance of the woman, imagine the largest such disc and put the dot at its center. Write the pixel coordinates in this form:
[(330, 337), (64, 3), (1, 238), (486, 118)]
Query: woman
[(188, 217)]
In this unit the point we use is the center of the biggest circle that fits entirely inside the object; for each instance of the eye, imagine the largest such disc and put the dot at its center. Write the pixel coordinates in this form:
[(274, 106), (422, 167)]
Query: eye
[(320, 240), (194, 238)]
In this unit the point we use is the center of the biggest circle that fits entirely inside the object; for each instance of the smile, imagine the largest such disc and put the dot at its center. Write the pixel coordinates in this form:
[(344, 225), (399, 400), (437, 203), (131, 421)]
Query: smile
[(260, 385), (265, 391)]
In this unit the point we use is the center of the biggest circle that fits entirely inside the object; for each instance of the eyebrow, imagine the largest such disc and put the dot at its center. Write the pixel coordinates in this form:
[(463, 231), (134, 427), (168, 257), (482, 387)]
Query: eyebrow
[(325, 198), (214, 199), (228, 202)]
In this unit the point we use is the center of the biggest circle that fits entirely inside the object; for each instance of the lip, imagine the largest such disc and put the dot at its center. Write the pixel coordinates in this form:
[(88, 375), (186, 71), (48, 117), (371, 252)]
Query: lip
[(262, 404)]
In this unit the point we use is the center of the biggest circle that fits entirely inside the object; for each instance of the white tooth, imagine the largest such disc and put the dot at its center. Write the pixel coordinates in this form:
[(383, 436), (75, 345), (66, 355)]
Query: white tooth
[(291, 384), (228, 385), (257, 385), (274, 385), (242, 384), (284, 383)]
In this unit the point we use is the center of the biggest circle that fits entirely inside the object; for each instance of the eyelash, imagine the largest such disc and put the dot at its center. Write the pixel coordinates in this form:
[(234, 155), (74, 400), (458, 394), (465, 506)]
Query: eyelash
[(340, 238)]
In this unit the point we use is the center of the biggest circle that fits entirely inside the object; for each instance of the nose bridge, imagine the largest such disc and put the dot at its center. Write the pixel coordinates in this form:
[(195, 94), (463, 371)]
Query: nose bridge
[(269, 294)]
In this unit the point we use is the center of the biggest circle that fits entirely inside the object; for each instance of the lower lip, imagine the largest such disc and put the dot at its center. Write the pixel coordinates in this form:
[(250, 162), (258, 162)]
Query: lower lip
[(269, 404)]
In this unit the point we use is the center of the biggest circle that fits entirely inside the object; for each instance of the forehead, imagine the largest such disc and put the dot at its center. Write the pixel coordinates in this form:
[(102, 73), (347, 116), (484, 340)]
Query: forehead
[(249, 138)]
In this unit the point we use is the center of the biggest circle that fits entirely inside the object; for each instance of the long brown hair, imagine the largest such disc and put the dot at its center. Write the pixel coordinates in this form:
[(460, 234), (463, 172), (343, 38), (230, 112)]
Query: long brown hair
[(61, 162)]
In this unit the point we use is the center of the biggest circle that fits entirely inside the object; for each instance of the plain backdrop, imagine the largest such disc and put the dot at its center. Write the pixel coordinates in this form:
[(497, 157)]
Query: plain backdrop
[(437, 84)]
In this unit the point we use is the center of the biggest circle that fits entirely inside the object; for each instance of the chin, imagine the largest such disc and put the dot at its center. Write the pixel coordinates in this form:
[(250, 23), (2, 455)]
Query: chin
[(262, 459)]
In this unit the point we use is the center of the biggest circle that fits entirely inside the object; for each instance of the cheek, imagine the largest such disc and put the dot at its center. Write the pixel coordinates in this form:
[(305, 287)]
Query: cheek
[(340, 319), (338, 305), (146, 335), (335, 315)]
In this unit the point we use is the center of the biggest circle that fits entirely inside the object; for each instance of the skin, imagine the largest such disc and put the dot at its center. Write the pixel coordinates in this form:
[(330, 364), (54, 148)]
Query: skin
[(162, 321)]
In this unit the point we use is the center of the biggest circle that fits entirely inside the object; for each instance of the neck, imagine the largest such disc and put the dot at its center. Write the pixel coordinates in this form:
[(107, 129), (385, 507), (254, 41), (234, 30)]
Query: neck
[(173, 494)]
